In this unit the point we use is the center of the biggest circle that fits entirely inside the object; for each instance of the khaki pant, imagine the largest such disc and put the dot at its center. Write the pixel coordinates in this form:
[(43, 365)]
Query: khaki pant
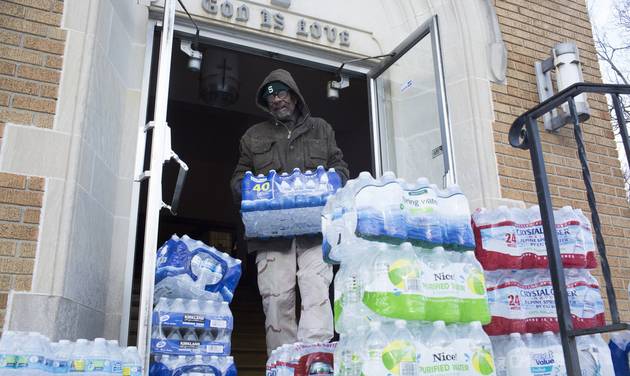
[(277, 271)]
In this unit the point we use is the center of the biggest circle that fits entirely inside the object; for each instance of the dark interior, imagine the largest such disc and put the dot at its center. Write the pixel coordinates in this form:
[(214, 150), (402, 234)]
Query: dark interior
[(206, 137)]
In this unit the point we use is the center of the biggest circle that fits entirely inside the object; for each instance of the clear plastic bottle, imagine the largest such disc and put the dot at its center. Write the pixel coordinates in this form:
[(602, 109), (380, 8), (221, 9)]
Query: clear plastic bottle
[(116, 357), (61, 357), (162, 305), (473, 304), (132, 362), (482, 357), (395, 289), (174, 335), (401, 351), (194, 307), (178, 305), (99, 360), (421, 214), (375, 343), (550, 353), (34, 351), (440, 286), (517, 356), (190, 335), (8, 352), (80, 354)]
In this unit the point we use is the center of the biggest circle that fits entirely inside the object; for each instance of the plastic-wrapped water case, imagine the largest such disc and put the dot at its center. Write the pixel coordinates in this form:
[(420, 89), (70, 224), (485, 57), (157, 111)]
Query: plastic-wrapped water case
[(191, 327), (302, 359), (173, 365), (522, 301), (395, 211), (513, 238), (280, 205), (187, 268)]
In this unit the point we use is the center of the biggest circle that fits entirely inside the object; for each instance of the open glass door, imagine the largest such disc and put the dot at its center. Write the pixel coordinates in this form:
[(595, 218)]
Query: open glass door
[(159, 134), (410, 126)]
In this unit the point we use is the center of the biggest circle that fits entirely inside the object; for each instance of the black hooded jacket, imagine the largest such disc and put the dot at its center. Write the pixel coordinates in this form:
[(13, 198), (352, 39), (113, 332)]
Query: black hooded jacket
[(271, 145)]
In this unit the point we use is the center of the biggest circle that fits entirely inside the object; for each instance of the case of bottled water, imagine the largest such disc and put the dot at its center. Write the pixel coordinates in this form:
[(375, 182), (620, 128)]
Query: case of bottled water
[(411, 283), (193, 365), (394, 211), (32, 354), (402, 347), (188, 268), (619, 346), (523, 301), (278, 205), (541, 354), (301, 359), (185, 327), (513, 238)]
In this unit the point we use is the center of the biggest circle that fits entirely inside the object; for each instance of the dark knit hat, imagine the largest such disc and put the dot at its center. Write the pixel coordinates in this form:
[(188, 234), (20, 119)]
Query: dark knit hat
[(273, 88)]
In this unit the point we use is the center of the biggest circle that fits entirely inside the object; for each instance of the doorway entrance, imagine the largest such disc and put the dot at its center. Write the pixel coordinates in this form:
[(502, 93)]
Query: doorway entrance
[(206, 136)]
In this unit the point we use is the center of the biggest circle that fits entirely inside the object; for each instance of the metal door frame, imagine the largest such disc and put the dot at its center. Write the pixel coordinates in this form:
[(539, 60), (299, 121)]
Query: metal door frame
[(241, 41)]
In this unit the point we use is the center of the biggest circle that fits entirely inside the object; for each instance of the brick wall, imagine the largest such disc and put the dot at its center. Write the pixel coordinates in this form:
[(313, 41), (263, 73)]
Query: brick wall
[(530, 28), (31, 57)]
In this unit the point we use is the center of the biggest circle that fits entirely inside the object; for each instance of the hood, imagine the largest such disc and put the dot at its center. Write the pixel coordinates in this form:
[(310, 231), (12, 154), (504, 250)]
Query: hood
[(285, 77)]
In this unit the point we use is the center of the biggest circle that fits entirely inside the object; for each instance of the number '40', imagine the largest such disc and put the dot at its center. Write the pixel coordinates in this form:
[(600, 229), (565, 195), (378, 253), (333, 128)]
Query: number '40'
[(262, 187)]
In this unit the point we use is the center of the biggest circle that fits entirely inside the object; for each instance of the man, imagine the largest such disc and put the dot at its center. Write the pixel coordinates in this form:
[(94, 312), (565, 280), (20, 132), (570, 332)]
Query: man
[(290, 139)]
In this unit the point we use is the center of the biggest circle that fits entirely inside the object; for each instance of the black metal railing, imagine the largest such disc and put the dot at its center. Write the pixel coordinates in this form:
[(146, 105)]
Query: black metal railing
[(524, 134)]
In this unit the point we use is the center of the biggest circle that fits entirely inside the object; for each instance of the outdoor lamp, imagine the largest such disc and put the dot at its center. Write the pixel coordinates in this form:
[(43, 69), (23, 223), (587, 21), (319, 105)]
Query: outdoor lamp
[(565, 60)]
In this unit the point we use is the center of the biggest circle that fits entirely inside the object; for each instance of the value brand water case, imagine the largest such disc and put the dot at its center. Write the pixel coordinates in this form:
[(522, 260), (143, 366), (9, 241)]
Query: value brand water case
[(281, 205)]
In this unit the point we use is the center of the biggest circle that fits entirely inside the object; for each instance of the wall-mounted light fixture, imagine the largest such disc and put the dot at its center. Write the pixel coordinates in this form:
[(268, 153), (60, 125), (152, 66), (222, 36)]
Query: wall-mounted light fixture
[(192, 48), (341, 81), (565, 60)]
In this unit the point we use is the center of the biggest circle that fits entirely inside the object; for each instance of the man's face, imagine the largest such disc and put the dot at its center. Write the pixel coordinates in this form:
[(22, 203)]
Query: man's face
[(282, 104)]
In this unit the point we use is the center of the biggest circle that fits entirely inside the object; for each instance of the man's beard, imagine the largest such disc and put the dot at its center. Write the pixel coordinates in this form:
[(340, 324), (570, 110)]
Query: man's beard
[(283, 114)]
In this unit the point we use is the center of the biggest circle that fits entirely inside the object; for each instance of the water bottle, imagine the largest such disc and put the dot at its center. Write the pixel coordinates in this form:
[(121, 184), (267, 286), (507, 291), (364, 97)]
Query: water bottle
[(440, 287), (115, 356), (369, 216), (248, 202), (132, 362), (285, 366), (174, 335), (394, 289), (400, 351), (60, 357), (549, 353), (178, 306), (8, 352), (98, 360), (391, 203), (270, 366), (190, 335), (353, 313), (517, 356), (482, 356), (604, 355), (80, 354), (373, 351), (32, 355), (473, 304)]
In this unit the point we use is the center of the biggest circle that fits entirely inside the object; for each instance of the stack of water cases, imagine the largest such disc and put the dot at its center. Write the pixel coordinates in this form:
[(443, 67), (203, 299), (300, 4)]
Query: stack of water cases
[(279, 205), (32, 354), (192, 322), (410, 296), (301, 359), (511, 248)]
